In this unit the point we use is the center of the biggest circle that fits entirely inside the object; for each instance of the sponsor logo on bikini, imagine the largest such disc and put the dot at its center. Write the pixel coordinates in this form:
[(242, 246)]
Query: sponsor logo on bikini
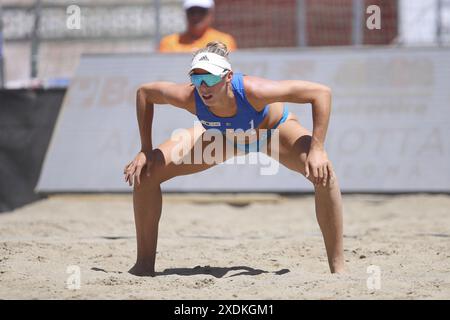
[(210, 123)]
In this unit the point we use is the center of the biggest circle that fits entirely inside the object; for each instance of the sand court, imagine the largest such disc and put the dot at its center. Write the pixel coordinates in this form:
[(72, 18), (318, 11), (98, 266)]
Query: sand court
[(248, 246)]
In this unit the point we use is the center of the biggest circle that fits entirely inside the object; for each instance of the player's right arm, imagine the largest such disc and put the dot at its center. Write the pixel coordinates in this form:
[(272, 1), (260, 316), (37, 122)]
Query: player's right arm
[(149, 94)]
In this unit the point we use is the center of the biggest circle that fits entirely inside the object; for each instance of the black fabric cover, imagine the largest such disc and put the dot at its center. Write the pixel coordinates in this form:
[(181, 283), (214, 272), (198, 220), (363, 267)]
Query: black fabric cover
[(27, 119)]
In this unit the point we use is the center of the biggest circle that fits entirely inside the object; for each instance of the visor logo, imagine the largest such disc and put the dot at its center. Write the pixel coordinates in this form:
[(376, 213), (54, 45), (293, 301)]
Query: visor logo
[(204, 58)]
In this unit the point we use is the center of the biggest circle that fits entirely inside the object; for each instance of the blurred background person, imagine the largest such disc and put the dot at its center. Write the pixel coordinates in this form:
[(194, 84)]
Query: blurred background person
[(200, 16)]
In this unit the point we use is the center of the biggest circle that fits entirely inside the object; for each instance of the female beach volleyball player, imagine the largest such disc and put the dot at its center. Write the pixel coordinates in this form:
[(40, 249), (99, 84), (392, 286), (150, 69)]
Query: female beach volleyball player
[(224, 100)]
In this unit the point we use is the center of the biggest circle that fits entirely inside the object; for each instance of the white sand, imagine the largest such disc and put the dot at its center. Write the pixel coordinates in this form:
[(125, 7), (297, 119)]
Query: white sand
[(269, 249)]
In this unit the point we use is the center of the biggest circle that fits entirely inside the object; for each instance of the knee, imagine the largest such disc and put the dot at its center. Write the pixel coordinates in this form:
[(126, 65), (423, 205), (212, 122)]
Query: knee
[(153, 175), (148, 181), (301, 166), (150, 176), (331, 183), (331, 180)]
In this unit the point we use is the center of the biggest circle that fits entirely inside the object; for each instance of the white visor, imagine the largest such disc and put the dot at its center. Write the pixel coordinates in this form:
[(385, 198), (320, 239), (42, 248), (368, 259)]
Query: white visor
[(211, 62), (198, 3)]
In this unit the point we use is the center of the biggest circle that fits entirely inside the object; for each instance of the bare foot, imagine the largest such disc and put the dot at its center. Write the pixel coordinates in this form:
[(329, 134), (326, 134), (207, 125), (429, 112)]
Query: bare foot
[(338, 269), (140, 270)]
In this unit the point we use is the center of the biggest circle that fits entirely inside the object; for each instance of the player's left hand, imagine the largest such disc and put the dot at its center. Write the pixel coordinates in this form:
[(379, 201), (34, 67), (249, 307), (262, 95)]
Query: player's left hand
[(319, 166)]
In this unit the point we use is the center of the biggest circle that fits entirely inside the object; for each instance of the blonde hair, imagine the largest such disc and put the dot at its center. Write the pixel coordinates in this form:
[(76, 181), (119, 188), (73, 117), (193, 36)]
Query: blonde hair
[(216, 47)]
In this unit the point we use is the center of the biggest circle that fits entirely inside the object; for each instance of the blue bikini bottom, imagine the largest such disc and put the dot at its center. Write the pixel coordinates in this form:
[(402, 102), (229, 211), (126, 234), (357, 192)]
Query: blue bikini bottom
[(256, 145)]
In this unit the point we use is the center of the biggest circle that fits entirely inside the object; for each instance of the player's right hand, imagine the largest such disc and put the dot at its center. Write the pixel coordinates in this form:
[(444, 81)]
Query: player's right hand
[(134, 168)]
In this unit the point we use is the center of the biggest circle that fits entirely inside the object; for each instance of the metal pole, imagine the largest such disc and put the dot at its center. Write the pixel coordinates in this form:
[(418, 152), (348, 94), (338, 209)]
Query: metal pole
[(157, 5), (357, 25), (35, 39), (2, 74), (439, 22), (302, 24), (400, 31)]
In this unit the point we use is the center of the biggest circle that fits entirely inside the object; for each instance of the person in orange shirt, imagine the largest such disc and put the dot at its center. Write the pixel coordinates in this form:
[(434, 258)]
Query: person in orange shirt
[(200, 15)]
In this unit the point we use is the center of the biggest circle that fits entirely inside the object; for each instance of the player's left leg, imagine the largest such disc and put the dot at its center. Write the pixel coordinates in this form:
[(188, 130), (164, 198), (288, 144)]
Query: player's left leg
[(292, 150)]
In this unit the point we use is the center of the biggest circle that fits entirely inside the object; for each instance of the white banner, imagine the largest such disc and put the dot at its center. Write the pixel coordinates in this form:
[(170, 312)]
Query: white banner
[(389, 130)]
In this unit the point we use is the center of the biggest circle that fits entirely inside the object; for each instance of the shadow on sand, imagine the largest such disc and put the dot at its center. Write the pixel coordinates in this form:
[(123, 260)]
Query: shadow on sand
[(218, 272)]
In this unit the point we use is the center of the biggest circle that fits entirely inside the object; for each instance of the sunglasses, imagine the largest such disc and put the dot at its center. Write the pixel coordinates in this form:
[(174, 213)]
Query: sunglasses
[(208, 78)]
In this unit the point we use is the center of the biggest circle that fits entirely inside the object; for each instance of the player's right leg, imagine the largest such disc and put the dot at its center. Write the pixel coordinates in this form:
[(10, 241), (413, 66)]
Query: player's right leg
[(189, 154)]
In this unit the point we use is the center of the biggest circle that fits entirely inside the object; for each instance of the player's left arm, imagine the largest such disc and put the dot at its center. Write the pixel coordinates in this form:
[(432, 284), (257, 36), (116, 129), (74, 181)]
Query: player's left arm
[(266, 91), (261, 92)]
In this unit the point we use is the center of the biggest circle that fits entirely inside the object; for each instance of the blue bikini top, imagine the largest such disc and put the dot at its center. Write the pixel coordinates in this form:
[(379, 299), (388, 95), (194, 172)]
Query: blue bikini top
[(246, 117)]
